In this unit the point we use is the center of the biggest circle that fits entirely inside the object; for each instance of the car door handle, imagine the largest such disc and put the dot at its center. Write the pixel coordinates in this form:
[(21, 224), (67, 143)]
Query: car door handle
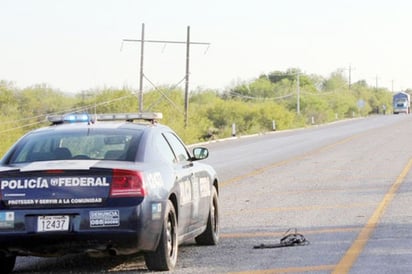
[(188, 165)]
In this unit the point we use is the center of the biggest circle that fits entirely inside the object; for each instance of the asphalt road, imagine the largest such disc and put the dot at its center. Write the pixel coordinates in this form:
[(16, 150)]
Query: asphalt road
[(346, 187)]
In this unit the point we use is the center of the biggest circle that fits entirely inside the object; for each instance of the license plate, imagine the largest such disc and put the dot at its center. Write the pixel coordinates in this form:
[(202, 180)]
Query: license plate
[(53, 223)]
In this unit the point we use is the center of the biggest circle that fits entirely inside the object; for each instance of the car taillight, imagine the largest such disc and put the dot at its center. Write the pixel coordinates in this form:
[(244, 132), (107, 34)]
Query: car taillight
[(127, 183)]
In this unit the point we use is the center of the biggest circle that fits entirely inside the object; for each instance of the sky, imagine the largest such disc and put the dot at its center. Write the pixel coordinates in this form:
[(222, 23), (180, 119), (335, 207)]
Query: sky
[(77, 45)]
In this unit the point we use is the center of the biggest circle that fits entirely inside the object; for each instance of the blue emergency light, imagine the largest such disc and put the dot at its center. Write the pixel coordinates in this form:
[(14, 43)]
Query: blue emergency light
[(74, 118), (69, 118)]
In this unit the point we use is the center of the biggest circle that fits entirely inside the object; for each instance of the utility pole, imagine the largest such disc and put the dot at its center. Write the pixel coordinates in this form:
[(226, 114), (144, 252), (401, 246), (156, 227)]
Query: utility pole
[(350, 76), (298, 93), (142, 41), (187, 76), (141, 72)]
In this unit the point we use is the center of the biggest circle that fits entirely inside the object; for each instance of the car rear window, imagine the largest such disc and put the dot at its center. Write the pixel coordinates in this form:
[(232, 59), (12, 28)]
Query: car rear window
[(96, 144)]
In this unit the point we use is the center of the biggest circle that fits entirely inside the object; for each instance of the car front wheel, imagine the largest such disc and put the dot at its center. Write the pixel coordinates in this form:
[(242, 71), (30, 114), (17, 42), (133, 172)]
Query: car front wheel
[(165, 256), (211, 235)]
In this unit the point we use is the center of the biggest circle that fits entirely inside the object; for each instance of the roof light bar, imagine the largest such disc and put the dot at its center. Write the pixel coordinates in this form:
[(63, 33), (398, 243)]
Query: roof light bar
[(129, 116), (84, 117)]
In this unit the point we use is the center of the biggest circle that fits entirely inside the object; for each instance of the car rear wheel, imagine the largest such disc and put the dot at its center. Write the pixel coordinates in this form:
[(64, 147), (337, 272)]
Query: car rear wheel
[(7, 263), (211, 235), (165, 256)]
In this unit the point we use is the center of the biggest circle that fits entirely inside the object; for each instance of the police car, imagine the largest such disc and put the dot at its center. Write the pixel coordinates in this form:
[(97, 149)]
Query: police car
[(96, 185)]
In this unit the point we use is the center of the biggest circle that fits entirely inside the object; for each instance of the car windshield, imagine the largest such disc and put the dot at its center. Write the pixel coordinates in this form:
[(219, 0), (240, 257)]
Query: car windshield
[(96, 144)]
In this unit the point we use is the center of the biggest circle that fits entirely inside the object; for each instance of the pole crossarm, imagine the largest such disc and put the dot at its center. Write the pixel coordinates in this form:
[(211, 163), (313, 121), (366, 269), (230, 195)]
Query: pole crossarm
[(166, 42)]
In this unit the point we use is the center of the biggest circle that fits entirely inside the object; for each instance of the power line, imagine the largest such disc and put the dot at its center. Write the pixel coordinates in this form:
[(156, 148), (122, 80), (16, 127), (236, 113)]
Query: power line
[(78, 109), (260, 98)]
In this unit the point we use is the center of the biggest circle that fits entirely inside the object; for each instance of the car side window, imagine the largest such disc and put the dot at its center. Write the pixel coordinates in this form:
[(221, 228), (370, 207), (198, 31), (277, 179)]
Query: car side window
[(165, 149), (178, 148)]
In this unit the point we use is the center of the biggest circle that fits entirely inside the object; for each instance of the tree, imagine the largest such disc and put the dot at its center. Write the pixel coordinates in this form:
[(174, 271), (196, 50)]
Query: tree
[(336, 82)]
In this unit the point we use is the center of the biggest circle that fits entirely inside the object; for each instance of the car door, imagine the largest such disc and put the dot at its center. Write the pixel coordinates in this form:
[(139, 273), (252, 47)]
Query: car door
[(202, 186), (188, 184)]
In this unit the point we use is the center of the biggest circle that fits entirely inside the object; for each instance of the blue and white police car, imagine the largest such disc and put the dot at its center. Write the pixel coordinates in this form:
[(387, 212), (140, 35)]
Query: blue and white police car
[(93, 184)]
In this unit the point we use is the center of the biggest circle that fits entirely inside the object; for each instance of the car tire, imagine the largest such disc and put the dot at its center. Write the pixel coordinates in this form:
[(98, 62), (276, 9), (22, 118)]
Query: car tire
[(165, 256), (7, 263), (211, 235)]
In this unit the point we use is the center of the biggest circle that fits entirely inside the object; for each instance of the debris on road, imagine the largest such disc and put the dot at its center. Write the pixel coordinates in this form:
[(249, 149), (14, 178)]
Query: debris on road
[(290, 239)]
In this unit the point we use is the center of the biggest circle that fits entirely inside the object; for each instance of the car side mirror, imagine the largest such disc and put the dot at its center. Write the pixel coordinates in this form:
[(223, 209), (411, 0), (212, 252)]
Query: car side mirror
[(200, 153)]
